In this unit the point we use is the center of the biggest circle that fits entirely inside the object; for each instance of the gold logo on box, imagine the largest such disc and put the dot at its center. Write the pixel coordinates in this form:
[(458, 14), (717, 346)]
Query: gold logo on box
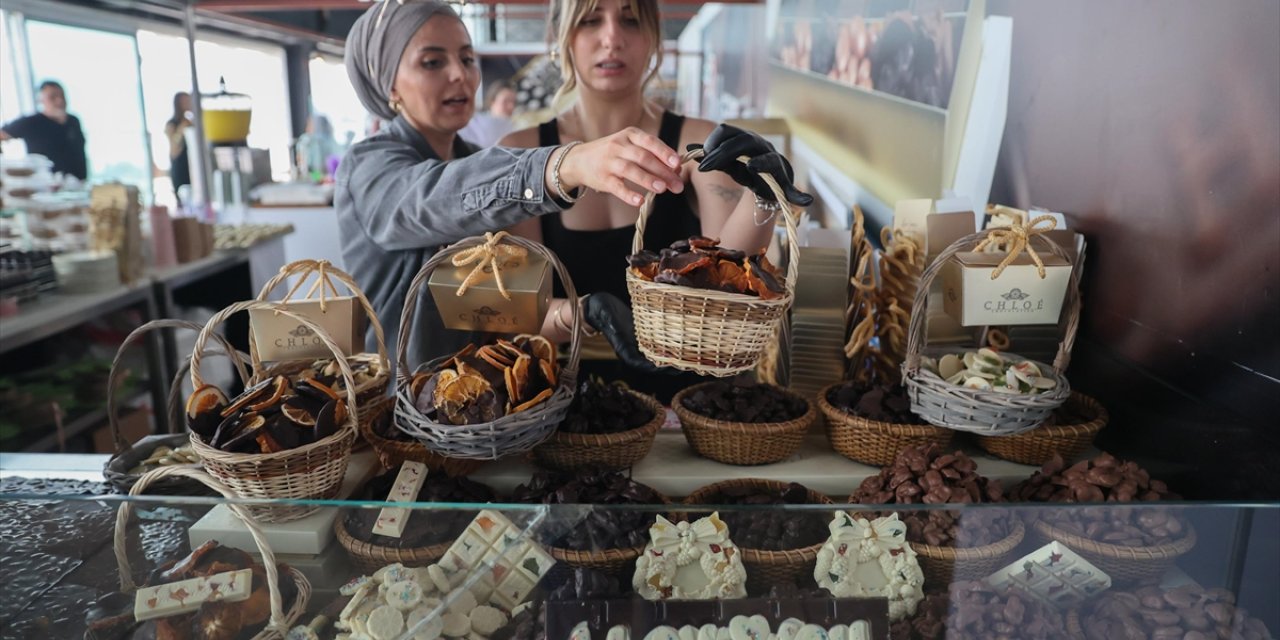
[(303, 336), (488, 317), (1015, 301)]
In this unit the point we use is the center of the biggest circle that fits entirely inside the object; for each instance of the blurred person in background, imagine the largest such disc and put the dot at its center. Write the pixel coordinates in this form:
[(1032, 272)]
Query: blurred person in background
[(52, 133), (485, 129), (175, 130)]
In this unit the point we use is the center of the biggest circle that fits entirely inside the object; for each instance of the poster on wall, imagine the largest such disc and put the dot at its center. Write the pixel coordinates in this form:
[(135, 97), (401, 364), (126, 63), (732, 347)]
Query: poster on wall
[(903, 48)]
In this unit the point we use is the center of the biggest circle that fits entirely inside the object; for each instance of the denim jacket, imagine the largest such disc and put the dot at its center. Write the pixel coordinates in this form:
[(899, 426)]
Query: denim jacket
[(398, 204)]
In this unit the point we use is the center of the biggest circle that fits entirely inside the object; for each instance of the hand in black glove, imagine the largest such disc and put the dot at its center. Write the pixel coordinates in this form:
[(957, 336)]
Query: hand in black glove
[(612, 317), (727, 143)]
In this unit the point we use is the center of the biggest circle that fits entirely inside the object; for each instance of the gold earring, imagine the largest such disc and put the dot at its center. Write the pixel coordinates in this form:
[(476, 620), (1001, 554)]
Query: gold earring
[(395, 105)]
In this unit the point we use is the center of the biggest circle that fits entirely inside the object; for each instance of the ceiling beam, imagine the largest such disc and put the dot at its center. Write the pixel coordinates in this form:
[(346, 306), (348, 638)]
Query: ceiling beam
[(235, 6)]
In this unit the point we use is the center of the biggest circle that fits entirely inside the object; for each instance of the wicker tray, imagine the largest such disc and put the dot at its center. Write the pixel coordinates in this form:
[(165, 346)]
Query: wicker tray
[(372, 391), (280, 620), (571, 451), (944, 565), (984, 412), (742, 443), (312, 471), (767, 568), (1125, 565), (510, 434), (705, 331), (871, 441), (1040, 444), (616, 562), (117, 469), (369, 557)]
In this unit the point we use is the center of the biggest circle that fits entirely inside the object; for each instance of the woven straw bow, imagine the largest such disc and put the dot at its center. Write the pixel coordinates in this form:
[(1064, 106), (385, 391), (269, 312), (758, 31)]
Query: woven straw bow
[(492, 254), (1016, 239), (323, 283)]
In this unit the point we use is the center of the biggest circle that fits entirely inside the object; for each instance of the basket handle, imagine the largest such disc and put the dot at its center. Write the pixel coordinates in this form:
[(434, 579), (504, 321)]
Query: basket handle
[(403, 373), (916, 338), (788, 219), (112, 386), (278, 621), (221, 316), (325, 274)]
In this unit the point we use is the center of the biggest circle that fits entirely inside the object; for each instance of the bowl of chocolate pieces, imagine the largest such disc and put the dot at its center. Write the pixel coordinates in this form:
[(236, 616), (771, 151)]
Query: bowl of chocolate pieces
[(705, 308), (1130, 542), (873, 423), (959, 544), (742, 422), (608, 425)]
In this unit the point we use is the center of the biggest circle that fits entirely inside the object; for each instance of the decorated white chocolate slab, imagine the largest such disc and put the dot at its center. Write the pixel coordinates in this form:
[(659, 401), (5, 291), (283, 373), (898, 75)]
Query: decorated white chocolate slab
[(1055, 574), (391, 520), (686, 561), (185, 596), (510, 566), (864, 559)]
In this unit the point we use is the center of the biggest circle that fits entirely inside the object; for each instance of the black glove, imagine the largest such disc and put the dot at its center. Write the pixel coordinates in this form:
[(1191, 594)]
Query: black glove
[(612, 317), (727, 143)]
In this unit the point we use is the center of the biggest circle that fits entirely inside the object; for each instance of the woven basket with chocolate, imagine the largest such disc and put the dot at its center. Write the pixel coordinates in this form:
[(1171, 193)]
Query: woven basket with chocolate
[(742, 422), (873, 423), (1128, 543), (1186, 613), (967, 544), (702, 263), (608, 425), (427, 534), (607, 539)]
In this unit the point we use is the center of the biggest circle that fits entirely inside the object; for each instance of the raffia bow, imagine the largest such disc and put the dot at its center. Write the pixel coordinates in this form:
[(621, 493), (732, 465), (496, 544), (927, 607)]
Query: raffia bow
[(887, 533), (669, 536), (1015, 239), (492, 254), (323, 283)]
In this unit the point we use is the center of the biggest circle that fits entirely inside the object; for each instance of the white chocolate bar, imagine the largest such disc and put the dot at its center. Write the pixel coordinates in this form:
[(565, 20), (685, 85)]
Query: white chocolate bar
[(391, 520), (186, 596)]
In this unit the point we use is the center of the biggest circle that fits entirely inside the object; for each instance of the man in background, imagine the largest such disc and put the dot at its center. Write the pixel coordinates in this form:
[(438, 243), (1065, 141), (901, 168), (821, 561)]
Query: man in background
[(52, 133)]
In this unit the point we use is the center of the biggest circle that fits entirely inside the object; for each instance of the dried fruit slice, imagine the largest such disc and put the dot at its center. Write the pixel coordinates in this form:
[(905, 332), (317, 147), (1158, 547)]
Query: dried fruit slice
[(321, 387), (496, 357), (251, 395), (703, 242), (541, 348), (513, 389), (204, 408), (684, 263), (247, 432), (730, 277), (541, 397), (512, 349), (278, 390), (520, 377), (416, 384), (461, 390), (299, 416), (443, 378), (762, 281), (550, 372)]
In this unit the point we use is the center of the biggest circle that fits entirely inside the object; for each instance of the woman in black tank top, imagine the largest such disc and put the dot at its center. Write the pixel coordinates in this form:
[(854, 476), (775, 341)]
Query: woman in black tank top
[(607, 52)]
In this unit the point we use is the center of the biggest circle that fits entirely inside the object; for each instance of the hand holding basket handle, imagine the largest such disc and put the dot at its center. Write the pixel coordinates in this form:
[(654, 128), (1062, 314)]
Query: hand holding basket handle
[(726, 146), (612, 318)]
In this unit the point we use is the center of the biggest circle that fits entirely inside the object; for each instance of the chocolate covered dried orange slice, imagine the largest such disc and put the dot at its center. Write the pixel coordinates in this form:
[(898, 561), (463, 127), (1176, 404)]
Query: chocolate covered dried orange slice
[(541, 397)]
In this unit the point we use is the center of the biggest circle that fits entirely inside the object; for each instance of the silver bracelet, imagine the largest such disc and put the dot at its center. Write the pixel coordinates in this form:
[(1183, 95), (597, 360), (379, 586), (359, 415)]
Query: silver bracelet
[(768, 206), (555, 172)]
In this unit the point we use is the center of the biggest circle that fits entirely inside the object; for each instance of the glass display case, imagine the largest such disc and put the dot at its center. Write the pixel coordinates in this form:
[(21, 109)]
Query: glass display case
[(79, 563)]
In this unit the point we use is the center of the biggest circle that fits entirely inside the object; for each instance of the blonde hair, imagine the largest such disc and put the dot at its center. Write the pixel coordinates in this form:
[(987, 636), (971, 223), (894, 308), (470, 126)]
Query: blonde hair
[(564, 20)]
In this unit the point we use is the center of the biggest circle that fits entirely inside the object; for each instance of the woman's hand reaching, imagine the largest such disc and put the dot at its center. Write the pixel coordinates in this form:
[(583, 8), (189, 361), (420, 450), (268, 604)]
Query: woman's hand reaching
[(617, 164)]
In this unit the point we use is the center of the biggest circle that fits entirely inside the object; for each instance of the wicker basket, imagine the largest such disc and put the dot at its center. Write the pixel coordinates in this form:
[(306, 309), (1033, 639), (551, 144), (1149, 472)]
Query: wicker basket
[(369, 557), (984, 412), (392, 453), (572, 451), (871, 441), (372, 394), (1125, 565), (312, 471), (615, 562), (1040, 444), (742, 443), (706, 331), (944, 565), (116, 471), (510, 434), (1074, 628), (281, 619), (766, 568)]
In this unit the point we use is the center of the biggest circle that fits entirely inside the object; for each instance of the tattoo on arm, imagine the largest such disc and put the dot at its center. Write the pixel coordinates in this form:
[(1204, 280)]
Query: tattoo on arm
[(729, 194)]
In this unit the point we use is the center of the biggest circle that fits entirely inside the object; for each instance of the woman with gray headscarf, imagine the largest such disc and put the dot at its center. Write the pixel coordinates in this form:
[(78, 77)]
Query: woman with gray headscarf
[(415, 187)]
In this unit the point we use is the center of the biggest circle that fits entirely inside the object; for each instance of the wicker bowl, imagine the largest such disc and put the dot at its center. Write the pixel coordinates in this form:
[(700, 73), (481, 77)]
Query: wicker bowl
[(511, 434), (616, 562), (1040, 444), (368, 557), (989, 413), (1125, 565), (871, 441), (766, 568), (742, 443), (705, 331), (944, 565), (572, 451), (311, 472), (392, 452)]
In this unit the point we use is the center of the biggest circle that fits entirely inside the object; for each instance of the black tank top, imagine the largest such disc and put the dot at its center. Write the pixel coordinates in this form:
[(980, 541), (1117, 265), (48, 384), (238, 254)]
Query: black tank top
[(596, 259)]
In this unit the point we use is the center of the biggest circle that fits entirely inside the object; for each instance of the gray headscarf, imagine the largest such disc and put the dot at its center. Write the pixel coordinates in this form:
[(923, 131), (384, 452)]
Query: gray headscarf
[(376, 42)]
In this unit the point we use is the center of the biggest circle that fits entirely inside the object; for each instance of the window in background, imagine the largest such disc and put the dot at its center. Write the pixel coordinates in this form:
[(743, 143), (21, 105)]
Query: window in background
[(99, 71), (10, 101), (166, 70), (333, 97), (259, 72)]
